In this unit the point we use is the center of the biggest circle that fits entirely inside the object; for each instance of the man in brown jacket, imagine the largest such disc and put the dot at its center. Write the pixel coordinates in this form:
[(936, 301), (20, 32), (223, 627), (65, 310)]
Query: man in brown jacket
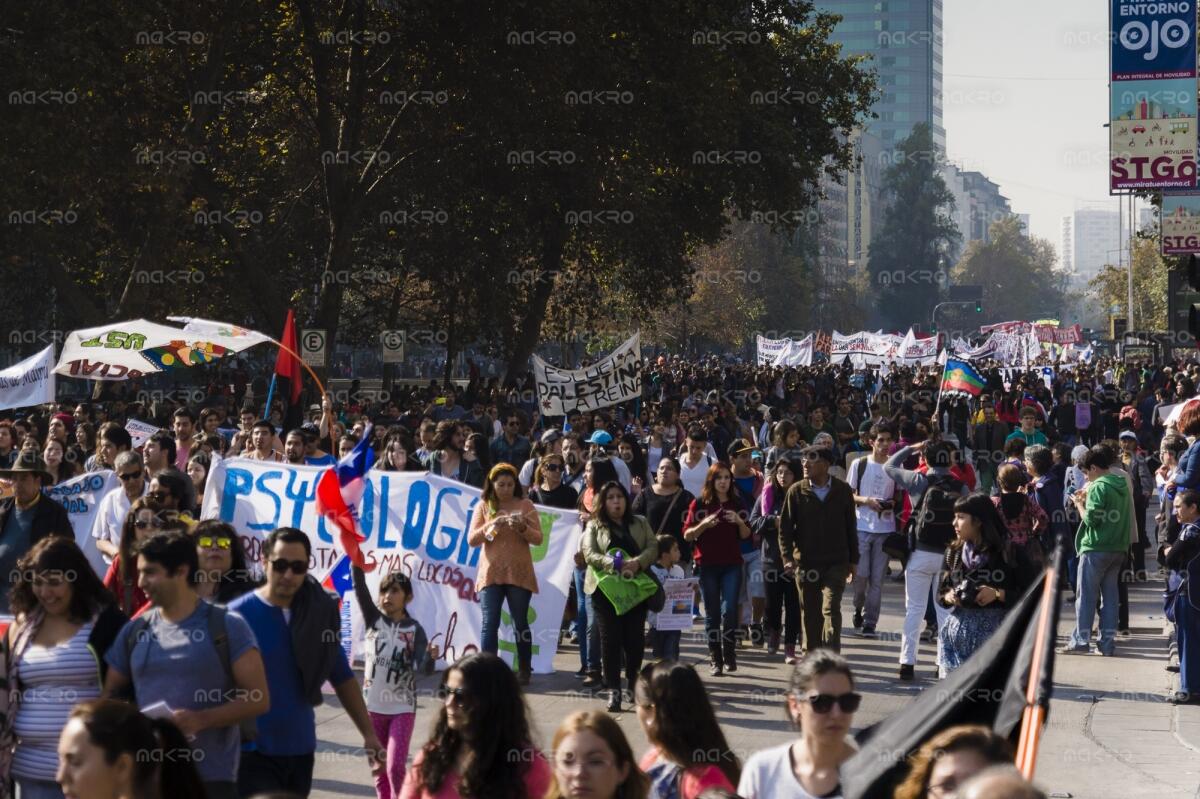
[(819, 541)]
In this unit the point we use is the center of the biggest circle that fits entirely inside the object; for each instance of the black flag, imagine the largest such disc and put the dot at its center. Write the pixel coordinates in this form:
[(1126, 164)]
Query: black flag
[(991, 689)]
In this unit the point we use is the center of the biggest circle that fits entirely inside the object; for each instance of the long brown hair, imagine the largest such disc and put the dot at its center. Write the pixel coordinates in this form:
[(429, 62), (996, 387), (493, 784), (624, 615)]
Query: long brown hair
[(708, 494), (972, 737), (489, 498), (685, 726), (602, 725)]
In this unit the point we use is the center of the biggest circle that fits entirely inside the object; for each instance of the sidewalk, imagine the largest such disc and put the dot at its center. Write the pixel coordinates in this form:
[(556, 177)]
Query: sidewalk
[(1110, 730)]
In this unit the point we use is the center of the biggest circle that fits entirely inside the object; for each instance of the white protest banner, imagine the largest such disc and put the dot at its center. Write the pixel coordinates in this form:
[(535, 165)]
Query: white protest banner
[(859, 344), (921, 351), (608, 382), (795, 353), (769, 349), (30, 382), (140, 432), (413, 522), (81, 497)]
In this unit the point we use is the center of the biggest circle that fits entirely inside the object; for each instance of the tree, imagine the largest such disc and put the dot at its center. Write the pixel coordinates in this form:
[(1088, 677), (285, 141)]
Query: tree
[(1110, 287), (906, 261), (1018, 274)]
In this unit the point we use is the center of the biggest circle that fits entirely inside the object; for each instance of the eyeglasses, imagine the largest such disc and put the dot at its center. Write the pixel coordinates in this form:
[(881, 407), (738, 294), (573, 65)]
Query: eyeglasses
[(823, 703), (457, 696), (214, 542), (158, 496), (553, 467), (142, 524), (281, 565), (130, 476)]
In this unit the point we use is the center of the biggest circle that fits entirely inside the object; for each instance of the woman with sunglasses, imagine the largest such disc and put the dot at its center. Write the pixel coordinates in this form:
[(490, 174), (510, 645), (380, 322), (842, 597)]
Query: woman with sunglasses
[(821, 703), (548, 487), (224, 575), (506, 525), (689, 753), (54, 653), (481, 746), (593, 758), (146, 517)]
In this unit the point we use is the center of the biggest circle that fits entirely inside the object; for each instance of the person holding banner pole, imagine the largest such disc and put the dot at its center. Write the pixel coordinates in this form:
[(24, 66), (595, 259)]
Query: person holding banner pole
[(505, 524)]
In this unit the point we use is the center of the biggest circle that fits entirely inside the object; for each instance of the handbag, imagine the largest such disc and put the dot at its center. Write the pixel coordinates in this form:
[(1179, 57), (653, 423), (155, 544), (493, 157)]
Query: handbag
[(1171, 595)]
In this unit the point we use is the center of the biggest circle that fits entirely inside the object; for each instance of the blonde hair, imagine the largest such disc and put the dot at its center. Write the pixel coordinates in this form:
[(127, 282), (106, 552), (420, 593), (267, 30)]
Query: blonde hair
[(602, 725)]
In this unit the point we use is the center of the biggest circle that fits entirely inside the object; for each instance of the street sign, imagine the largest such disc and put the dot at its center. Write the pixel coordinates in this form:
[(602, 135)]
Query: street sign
[(313, 346), (393, 346)]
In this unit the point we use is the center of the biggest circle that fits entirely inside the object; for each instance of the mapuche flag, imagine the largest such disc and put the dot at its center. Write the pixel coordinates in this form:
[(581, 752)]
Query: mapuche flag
[(960, 378), (1006, 685)]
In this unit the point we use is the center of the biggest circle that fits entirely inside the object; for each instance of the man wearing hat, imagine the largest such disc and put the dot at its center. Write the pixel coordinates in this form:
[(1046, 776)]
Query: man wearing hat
[(602, 443), (818, 538), (26, 517)]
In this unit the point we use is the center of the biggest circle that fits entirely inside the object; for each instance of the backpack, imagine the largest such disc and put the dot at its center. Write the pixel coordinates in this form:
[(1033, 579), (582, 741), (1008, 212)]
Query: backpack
[(933, 520), (217, 633)]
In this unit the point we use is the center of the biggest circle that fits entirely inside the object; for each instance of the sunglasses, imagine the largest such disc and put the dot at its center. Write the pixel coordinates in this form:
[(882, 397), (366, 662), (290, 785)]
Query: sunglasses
[(281, 565), (142, 524), (823, 703), (158, 496), (553, 467), (131, 475), (214, 542), (459, 694)]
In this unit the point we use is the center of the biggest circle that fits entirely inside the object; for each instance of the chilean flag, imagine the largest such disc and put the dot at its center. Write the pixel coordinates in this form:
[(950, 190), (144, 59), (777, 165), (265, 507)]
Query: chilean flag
[(339, 491)]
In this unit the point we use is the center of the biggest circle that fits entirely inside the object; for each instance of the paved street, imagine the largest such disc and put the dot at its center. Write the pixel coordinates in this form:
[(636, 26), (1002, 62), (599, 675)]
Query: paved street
[(1109, 724)]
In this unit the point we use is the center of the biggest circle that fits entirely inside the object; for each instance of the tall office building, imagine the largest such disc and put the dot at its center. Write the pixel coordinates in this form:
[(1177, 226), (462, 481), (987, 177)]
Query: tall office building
[(978, 204), (1092, 238), (904, 40)]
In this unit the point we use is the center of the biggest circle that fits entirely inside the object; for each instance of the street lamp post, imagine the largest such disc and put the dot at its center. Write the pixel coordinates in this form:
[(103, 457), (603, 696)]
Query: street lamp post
[(933, 316)]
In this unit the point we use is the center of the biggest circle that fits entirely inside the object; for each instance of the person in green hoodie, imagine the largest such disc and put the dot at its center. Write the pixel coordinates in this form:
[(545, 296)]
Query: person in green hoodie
[(1102, 541)]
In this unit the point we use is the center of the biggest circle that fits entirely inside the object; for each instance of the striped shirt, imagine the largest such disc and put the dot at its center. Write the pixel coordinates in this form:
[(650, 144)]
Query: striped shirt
[(52, 680)]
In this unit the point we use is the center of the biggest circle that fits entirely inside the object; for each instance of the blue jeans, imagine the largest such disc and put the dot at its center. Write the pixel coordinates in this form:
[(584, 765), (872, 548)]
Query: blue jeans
[(720, 587), (38, 789), (582, 617), (1098, 576), (1187, 625), (491, 601), (666, 644)]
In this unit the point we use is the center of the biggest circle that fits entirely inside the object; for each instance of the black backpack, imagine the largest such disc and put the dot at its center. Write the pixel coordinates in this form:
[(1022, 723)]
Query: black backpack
[(933, 521)]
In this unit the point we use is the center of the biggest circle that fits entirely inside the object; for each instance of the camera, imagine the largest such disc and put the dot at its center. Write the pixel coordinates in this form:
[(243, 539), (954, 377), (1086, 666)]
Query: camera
[(965, 593)]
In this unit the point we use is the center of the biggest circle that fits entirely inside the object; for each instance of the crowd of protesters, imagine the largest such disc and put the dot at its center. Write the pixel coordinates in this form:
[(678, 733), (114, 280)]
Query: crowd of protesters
[(775, 490)]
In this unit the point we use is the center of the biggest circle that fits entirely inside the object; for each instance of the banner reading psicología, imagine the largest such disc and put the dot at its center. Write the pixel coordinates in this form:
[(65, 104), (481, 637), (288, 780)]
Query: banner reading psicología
[(413, 522), (608, 382)]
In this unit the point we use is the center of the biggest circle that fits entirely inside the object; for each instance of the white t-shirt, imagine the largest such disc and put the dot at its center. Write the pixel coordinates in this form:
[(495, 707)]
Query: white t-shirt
[(693, 477), (110, 518), (769, 774), (876, 484)]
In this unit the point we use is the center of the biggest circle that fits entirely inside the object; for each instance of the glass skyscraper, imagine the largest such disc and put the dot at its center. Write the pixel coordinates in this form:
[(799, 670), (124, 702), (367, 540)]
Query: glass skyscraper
[(904, 40)]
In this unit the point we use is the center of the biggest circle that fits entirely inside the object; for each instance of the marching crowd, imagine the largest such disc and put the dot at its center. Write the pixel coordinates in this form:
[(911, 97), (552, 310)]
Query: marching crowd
[(774, 491)]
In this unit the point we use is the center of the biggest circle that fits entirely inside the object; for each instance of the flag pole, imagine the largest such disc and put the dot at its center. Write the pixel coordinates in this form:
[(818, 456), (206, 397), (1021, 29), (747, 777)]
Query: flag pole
[(1034, 715), (270, 394)]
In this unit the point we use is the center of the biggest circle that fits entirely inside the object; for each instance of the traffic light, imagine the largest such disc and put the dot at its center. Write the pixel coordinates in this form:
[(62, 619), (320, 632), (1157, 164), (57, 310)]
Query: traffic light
[(978, 306)]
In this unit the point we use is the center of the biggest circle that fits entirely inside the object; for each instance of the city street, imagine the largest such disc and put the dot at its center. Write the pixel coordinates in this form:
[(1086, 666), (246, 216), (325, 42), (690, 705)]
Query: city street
[(1109, 723)]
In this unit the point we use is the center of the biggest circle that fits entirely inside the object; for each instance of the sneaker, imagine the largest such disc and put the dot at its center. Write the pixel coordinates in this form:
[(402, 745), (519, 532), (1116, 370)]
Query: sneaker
[(1073, 650), (858, 619), (1173, 668), (789, 655), (927, 635), (773, 644), (1184, 698), (573, 637), (868, 631), (592, 680), (907, 672), (614, 701), (579, 675)]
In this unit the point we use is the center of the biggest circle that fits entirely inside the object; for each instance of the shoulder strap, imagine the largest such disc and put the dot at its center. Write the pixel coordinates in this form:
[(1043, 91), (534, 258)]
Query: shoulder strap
[(859, 472), (662, 522), (137, 629), (219, 634)]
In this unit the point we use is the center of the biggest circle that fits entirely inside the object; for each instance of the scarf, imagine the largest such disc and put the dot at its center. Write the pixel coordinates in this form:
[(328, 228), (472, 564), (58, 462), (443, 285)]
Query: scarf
[(972, 558)]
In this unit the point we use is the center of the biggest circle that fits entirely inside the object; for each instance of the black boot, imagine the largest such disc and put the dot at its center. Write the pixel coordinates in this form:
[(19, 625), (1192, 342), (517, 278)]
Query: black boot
[(730, 654), (715, 659), (614, 700)]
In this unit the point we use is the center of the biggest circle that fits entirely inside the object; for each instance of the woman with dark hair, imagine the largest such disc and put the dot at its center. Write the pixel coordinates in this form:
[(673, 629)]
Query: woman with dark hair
[(688, 753), (446, 458), (57, 465), (1025, 521), (593, 758), (950, 758), (481, 746), (397, 454), (476, 449), (506, 525), (664, 504), (716, 524), (145, 518), (110, 442), (783, 599), (597, 472), (224, 574), (785, 444), (548, 487), (198, 466), (619, 549), (109, 750), (821, 703), (8, 444), (982, 574), (630, 451), (53, 656)]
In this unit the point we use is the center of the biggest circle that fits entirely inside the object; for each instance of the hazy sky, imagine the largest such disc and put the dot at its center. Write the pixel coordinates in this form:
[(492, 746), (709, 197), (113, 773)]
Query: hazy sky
[(1026, 96)]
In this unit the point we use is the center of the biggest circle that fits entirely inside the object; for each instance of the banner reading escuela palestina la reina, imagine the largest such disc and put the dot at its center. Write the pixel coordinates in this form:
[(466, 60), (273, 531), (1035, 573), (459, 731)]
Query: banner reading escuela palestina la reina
[(612, 380), (81, 497), (29, 382), (1152, 117), (1180, 224), (413, 522)]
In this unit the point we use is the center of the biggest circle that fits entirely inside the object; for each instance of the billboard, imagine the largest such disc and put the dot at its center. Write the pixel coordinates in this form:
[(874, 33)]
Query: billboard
[(1152, 104), (1180, 224)]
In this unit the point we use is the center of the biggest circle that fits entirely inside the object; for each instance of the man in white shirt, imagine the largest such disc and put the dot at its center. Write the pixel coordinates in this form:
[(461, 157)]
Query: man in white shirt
[(114, 507), (874, 499), (695, 461)]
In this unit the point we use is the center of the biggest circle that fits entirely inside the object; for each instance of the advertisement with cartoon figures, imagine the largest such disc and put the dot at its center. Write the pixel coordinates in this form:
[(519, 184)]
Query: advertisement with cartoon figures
[(1180, 224)]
